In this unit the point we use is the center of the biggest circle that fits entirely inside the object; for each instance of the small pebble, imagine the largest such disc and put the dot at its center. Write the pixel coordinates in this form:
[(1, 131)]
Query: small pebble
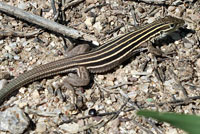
[(4, 75), (110, 77), (56, 84), (110, 83), (8, 48), (188, 43), (141, 10), (149, 100), (96, 43), (89, 21), (171, 8), (109, 102), (13, 45), (198, 63), (150, 20), (91, 1), (98, 26), (22, 5), (89, 104), (2, 83), (1, 42), (179, 11), (101, 77), (25, 44), (35, 95), (41, 127), (16, 57), (70, 127), (22, 104), (144, 87)]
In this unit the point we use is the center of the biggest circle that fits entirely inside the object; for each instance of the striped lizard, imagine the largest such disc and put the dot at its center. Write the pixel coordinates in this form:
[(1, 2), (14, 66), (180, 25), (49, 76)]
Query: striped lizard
[(99, 60)]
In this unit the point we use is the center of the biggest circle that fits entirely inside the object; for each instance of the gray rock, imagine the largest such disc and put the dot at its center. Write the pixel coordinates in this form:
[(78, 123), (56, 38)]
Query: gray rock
[(16, 57), (70, 128), (22, 6), (2, 83), (13, 120), (13, 45)]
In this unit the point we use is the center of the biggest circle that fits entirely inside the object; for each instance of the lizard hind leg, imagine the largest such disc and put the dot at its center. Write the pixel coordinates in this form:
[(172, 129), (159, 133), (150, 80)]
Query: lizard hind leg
[(80, 49), (82, 78)]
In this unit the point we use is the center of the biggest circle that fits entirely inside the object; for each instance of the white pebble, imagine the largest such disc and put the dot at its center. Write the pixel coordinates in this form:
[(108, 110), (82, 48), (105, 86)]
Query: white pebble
[(16, 57), (41, 127), (98, 26)]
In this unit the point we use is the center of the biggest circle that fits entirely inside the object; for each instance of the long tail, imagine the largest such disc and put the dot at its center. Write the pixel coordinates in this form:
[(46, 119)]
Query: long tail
[(40, 72)]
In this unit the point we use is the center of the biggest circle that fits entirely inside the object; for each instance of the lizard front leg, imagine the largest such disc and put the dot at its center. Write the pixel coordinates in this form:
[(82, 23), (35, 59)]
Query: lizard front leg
[(82, 78)]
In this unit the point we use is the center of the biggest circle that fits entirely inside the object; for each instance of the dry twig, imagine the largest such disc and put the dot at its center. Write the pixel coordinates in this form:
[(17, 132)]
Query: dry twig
[(72, 3), (175, 102), (10, 33), (178, 82), (95, 6), (42, 22)]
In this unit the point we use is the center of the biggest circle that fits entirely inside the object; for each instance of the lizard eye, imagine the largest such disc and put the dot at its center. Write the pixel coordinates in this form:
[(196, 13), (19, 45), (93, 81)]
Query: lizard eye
[(172, 25)]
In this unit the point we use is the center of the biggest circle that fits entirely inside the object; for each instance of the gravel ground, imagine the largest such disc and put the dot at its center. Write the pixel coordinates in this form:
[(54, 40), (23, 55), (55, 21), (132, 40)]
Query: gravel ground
[(144, 82)]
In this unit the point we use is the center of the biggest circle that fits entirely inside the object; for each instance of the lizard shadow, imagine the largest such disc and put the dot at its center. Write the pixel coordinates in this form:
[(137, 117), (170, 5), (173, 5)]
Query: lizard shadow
[(174, 36)]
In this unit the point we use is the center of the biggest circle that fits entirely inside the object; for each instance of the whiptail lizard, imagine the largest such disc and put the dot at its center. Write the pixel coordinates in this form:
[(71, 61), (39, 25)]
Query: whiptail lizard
[(98, 60)]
